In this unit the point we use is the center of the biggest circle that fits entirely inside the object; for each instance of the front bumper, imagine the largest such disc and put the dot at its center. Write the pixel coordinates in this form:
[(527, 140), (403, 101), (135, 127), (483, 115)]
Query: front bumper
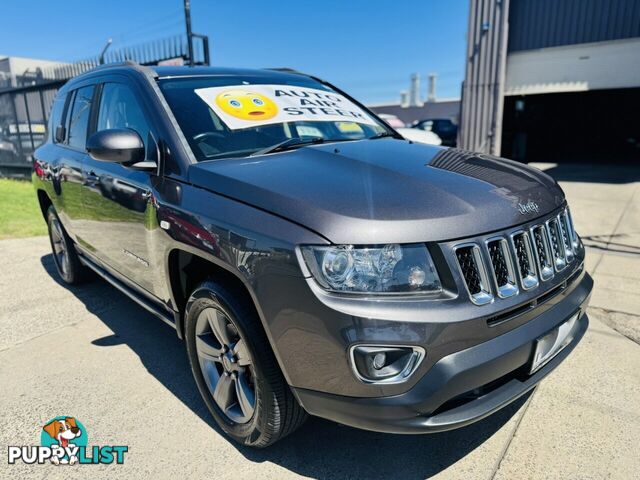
[(462, 387)]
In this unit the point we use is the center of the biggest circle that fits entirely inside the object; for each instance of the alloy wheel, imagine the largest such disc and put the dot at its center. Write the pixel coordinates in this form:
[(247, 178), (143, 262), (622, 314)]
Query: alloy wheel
[(60, 249), (226, 365)]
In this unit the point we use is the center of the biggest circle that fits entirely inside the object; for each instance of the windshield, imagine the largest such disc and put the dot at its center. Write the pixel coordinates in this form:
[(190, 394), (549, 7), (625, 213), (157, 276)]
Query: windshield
[(236, 116)]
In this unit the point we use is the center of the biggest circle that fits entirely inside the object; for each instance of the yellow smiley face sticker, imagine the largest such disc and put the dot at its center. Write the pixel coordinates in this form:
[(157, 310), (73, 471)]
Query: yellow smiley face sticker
[(247, 105)]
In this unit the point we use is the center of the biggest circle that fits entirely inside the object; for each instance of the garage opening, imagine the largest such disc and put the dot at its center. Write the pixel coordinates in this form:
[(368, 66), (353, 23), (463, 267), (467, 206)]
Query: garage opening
[(600, 126)]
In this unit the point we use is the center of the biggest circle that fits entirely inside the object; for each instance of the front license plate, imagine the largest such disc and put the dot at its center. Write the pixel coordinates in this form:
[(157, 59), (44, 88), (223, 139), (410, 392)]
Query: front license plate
[(552, 343)]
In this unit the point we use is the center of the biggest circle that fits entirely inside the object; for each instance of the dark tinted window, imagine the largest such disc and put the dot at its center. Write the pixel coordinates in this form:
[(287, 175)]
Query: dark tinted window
[(444, 125), (119, 108), (55, 120), (79, 119)]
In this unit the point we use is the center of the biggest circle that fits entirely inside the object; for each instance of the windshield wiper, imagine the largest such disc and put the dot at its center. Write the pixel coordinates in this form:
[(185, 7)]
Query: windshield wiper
[(287, 144), (384, 134)]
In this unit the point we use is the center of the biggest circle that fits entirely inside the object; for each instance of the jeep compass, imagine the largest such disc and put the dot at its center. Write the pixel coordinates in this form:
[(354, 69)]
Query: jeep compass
[(312, 260)]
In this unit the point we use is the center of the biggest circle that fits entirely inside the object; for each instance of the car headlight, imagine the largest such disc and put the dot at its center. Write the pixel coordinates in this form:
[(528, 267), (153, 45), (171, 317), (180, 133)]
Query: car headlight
[(373, 269)]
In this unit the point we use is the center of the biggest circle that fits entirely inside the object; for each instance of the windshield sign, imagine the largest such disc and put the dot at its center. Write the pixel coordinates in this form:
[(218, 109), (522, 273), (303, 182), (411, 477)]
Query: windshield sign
[(244, 106)]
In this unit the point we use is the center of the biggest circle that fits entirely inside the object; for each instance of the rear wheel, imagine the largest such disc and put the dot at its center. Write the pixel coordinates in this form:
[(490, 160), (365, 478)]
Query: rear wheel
[(65, 256), (235, 369)]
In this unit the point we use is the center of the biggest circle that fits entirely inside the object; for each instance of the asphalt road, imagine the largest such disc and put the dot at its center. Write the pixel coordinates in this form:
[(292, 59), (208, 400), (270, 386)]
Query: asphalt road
[(91, 353)]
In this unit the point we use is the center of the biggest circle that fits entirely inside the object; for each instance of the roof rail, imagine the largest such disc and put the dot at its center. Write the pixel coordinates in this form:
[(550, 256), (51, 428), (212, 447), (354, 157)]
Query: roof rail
[(126, 63), (286, 70)]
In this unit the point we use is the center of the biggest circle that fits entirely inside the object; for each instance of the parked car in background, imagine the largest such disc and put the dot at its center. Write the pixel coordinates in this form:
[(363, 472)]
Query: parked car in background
[(413, 134), (392, 120), (420, 136), (443, 127), (312, 260)]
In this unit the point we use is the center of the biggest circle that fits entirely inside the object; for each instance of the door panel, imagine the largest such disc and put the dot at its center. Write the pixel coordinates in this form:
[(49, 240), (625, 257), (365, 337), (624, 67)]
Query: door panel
[(118, 199), (66, 178), (119, 218)]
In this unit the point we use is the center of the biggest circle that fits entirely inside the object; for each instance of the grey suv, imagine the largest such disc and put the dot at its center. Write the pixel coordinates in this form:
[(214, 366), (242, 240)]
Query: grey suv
[(313, 261)]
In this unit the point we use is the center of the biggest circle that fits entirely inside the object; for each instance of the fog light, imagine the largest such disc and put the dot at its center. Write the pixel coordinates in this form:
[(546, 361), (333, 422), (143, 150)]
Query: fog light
[(379, 360), (385, 364)]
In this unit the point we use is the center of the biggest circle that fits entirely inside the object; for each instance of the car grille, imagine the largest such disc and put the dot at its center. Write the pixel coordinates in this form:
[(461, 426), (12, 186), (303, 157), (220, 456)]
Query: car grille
[(563, 222), (555, 237), (525, 258), (503, 265), (474, 273), (543, 252), (469, 269), (498, 262)]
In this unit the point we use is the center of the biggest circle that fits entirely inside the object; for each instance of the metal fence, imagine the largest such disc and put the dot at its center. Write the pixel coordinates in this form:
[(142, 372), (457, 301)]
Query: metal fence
[(26, 97)]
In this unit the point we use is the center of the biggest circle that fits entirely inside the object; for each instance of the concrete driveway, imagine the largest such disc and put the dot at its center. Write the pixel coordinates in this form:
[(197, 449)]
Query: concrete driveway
[(91, 353)]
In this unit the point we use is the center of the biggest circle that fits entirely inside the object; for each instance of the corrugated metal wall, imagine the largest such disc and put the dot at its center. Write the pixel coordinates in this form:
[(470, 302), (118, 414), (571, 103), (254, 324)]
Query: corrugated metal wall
[(551, 23), (482, 91)]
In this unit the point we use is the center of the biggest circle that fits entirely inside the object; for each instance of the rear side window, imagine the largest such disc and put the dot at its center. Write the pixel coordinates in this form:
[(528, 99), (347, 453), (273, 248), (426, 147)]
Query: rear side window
[(119, 108), (55, 120), (79, 118)]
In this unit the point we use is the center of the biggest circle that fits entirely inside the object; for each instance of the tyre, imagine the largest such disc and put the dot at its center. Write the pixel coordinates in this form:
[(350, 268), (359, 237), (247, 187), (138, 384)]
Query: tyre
[(65, 257), (235, 368)]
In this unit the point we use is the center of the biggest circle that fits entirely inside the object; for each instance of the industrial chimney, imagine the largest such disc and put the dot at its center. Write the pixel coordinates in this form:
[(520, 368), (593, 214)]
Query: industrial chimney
[(404, 99), (431, 91), (414, 92)]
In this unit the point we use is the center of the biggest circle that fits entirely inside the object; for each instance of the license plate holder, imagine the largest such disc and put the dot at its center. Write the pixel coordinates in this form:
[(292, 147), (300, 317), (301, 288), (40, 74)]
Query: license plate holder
[(552, 343)]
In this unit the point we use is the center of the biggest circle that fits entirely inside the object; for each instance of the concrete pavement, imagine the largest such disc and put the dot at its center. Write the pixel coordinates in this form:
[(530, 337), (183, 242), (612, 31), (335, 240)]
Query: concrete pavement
[(92, 353)]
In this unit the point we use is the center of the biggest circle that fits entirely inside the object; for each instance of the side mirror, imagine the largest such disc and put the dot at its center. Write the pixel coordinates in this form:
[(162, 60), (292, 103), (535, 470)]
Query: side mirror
[(118, 145)]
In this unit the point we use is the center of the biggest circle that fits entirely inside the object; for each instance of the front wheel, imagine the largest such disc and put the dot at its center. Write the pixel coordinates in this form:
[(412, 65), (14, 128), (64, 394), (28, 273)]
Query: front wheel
[(64, 252), (235, 369)]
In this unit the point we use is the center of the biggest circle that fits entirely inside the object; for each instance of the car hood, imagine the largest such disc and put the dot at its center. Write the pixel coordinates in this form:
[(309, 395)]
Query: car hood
[(386, 190)]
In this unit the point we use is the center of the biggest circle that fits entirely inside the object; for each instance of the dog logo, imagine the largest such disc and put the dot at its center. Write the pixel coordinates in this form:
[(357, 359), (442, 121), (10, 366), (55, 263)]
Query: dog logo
[(63, 441), (68, 434)]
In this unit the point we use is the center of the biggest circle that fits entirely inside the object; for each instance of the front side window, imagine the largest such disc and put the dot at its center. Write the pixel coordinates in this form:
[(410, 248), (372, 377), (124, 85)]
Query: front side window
[(79, 118), (236, 116), (119, 108)]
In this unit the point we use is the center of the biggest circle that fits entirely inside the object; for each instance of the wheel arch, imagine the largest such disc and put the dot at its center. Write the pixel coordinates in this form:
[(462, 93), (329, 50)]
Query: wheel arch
[(186, 269), (44, 201)]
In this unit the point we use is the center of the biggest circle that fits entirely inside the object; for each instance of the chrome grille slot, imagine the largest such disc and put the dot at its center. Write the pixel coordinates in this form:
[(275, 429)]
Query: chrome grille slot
[(524, 257), (502, 267), (555, 240), (542, 251), (474, 273), (566, 239), (573, 236)]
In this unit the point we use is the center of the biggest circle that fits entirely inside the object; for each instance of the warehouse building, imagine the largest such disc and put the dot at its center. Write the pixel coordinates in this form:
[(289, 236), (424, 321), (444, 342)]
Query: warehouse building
[(553, 80), (412, 108), (445, 108)]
